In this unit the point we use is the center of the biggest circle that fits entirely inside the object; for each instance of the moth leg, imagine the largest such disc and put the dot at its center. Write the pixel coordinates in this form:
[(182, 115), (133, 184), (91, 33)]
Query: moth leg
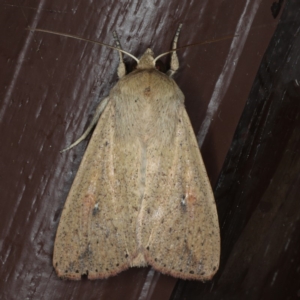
[(174, 58), (121, 67), (94, 121)]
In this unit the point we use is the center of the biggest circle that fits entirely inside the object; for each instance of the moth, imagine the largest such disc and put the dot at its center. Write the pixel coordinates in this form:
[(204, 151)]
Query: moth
[(141, 195)]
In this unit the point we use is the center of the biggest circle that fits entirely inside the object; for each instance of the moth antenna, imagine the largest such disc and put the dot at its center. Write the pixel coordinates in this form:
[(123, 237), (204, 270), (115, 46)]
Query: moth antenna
[(121, 68), (82, 39), (201, 43), (174, 64)]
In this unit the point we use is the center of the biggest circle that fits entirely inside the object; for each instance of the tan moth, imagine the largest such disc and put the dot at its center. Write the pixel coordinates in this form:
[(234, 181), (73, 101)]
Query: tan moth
[(141, 195)]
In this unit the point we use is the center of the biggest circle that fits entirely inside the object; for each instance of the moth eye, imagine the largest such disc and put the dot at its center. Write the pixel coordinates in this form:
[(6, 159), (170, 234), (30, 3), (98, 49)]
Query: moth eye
[(132, 67), (160, 66)]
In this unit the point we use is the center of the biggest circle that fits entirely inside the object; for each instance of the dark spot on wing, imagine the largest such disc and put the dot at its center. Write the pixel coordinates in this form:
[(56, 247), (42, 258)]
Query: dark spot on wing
[(95, 210)]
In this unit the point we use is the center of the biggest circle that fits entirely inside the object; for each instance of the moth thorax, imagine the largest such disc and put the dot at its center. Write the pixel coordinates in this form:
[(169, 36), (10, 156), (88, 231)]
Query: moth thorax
[(147, 60)]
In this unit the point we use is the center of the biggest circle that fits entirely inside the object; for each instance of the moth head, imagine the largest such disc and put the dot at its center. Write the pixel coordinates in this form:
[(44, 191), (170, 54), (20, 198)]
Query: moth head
[(147, 60)]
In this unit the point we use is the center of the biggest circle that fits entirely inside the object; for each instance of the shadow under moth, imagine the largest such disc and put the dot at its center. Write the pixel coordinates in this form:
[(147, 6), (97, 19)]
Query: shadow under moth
[(141, 195)]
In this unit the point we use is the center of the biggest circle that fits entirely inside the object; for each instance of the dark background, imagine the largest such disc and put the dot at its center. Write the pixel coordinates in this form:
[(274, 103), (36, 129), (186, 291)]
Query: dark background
[(243, 98)]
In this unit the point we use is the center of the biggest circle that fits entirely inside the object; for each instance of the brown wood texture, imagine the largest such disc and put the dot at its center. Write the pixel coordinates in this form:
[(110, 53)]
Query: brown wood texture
[(258, 190), (49, 88)]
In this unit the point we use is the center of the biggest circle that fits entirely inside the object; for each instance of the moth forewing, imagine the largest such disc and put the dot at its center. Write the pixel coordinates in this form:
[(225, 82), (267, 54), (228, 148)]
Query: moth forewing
[(141, 195)]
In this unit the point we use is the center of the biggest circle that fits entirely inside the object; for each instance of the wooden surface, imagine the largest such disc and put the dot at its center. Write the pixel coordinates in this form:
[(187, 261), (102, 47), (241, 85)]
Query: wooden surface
[(258, 190), (50, 86)]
